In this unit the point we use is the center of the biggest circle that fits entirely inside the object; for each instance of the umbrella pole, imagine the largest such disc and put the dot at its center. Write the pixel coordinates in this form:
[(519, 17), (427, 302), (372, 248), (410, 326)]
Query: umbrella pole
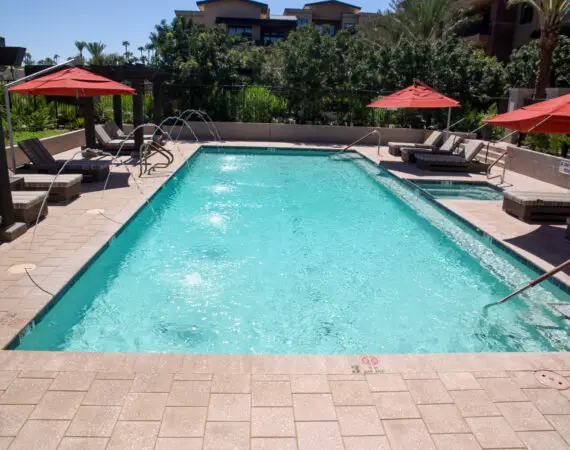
[(448, 117), (9, 123), (6, 205)]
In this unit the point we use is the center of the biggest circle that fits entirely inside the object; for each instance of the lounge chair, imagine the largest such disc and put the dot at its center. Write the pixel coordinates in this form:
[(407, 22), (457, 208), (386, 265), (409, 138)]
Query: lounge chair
[(115, 132), (66, 186), (27, 205), (455, 163), (537, 207), (108, 143), (447, 148), (433, 140), (43, 162)]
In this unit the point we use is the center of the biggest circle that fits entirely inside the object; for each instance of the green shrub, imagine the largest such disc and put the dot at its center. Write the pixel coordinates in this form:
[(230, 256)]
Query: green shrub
[(546, 143), (260, 105)]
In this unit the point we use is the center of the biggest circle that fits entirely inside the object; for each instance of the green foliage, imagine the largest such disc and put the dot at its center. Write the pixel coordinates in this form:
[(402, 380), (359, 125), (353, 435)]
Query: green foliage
[(546, 143), (260, 105), (522, 67), (103, 112), (196, 55), (417, 20), (23, 135)]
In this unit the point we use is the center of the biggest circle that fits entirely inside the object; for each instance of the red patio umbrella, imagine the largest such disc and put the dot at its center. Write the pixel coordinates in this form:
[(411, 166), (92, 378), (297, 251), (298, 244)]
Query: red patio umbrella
[(72, 82), (550, 116), (75, 82), (417, 95)]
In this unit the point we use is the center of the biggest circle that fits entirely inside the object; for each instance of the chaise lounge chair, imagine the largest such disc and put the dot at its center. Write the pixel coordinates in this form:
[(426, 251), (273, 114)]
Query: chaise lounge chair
[(537, 207), (455, 163), (447, 148), (433, 140), (115, 132), (108, 143), (43, 162), (27, 205), (65, 187)]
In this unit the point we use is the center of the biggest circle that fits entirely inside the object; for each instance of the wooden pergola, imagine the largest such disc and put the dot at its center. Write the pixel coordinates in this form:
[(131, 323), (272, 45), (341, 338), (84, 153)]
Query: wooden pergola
[(136, 75), (9, 56)]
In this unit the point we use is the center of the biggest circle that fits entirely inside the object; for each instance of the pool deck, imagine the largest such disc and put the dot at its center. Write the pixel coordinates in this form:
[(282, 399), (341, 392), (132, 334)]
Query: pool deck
[(114, 400)]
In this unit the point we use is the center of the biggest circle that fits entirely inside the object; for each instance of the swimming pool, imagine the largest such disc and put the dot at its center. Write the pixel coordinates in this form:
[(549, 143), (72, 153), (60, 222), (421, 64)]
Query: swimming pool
[(295, 252), (461, 190)]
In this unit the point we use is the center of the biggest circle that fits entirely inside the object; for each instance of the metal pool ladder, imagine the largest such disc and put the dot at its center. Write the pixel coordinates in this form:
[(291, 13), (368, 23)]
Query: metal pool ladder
[(361, 139)]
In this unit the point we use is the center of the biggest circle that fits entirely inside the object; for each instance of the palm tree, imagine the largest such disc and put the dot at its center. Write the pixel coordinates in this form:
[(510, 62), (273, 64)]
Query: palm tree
[(550, 15), (80, 47), (149, 48), (55, 58), (141, 49), (96, 49), (28, 59), (418, 20), (126, 45)]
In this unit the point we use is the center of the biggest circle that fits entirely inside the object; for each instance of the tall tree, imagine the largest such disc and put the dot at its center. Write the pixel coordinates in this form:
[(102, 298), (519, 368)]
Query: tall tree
[(46, 62), (141, 49), (126, 45), (96, 49), (55, 57), (551, 15), (28, 61), (414, 19), (149, 48), (80, 45)]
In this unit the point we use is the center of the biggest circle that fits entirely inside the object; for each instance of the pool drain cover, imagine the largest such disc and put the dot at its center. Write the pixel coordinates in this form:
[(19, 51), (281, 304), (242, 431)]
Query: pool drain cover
[(21, 268), (552, 379), (95, 211)]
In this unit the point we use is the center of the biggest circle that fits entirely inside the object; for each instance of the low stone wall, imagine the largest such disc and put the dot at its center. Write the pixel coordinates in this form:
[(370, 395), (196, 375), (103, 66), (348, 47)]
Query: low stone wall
[(54, 144), (278, 132), (542, 166)]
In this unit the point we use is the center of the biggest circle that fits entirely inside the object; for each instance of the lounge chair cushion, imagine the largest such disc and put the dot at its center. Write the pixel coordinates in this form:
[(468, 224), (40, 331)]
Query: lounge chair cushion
[(27, 199), (531, 198), (45, 181)]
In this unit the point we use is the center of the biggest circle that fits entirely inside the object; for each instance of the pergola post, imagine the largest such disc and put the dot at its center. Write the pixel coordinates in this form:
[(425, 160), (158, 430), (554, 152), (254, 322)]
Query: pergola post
[(138, 118), (118, 110), (6, 205), (89, 116), (157, 100)]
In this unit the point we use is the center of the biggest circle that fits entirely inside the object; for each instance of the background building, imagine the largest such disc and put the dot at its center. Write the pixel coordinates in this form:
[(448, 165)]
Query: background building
[(253, 20), (501, 29)]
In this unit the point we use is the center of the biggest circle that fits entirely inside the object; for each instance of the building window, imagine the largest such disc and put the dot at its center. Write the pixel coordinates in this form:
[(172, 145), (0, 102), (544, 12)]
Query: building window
[(331, 28), (527, 13), (240, 31), (301, 22), (271, 37)]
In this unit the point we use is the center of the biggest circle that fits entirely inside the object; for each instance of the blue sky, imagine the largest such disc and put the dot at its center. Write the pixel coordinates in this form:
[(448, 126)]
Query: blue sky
[(47, 28)]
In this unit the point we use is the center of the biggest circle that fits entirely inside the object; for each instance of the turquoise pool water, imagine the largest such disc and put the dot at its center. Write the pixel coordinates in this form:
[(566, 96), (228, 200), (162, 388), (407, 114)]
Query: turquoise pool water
[(460, 190), (296, 253)]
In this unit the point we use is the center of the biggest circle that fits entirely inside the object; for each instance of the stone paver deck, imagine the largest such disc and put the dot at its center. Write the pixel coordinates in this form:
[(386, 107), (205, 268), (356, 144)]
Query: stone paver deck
[(462, 401), (113, 400)]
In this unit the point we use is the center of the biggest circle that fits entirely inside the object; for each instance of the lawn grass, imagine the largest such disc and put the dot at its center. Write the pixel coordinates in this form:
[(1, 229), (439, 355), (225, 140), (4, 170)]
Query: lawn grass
[(23, 135)]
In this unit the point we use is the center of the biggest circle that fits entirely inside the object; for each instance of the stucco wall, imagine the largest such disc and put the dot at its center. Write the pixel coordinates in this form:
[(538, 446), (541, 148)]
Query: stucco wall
[(54, 144), (537, 165), (273, 132)]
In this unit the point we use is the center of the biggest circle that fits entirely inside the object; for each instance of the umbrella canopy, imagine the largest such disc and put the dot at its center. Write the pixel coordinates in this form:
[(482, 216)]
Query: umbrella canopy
[(417, 95), (551, 116), (72, 82)]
